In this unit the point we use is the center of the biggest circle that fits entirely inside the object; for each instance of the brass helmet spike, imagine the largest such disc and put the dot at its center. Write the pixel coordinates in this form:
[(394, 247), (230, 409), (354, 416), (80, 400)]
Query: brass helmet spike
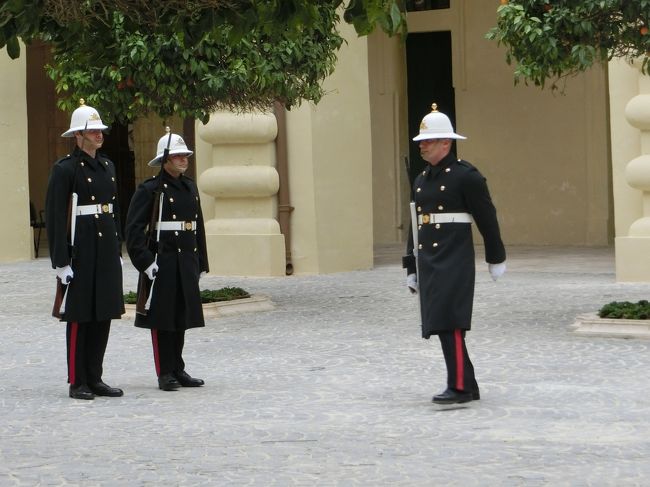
[(82, 102), (434, 107)]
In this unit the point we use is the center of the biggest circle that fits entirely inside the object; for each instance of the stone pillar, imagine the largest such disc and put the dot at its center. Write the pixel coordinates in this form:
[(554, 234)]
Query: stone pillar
[(16, 243), (240, 185), (632, 251)]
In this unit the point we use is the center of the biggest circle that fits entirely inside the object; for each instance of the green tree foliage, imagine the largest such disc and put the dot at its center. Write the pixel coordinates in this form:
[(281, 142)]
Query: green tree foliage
[(549, 40), (128, 58)]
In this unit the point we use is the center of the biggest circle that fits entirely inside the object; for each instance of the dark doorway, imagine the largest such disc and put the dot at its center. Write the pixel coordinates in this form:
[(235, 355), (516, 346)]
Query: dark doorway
[(117, 149), (429, 80)]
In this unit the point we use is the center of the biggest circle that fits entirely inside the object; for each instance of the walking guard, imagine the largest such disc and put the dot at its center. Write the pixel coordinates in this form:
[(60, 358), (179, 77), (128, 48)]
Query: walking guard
[(84, 236), (166, 242), (447, 196)]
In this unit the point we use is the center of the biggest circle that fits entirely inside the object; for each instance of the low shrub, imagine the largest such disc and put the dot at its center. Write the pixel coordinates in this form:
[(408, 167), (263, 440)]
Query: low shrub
[(626, 310), (207, 295)]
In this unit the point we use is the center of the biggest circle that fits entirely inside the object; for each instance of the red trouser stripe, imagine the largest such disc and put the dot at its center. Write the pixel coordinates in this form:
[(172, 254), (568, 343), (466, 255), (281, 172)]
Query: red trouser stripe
[(156, 352), (72, 350), (460, 360)]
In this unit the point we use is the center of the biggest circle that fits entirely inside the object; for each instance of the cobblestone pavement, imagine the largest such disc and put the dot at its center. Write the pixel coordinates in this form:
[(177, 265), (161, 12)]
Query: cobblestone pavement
[(334, 386)]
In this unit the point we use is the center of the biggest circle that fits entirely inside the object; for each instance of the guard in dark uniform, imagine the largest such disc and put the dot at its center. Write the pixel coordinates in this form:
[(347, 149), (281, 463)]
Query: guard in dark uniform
[(447, 197), (174, 264), (89, 265)]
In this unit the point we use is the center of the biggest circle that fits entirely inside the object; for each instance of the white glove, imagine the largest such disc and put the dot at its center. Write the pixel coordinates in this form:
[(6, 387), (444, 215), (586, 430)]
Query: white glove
[(412, 283), (65, 274), (497, 270), (151, 271), (202, 274)]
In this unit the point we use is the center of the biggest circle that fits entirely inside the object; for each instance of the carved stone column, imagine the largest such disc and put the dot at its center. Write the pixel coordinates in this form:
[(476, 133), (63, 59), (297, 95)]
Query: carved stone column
[(243, 235), (632, 251)]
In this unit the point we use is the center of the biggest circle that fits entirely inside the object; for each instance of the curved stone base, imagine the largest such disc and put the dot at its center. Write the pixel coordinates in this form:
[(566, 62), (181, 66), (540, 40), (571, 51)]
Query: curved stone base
[(592, 325), (222, 308)]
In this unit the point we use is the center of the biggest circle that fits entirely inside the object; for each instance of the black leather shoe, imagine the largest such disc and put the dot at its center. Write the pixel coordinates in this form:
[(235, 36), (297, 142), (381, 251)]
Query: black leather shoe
[(186, 380), (81, 392), (476, 396), (101, 389), (167, 382), (451, 396)]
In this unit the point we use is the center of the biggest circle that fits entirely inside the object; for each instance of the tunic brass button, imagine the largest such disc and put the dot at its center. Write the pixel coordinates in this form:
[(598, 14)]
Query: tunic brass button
[(194, 249), (100, 234), (179, 250), (176, 233), (442, 188), (447, 170), (171, 200), (92, 198), (196, 215), (419, 208), (165, 185), (112, 178), (435, 244), (419, 246), (440, 207), (82, 164), (423, 173), (418, 190), (90, 180), (419, 227), (174, 217), (437, 225), (96, 215)]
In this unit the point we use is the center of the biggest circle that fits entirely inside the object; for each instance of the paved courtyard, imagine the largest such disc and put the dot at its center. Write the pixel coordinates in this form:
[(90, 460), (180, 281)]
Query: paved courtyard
[(333, 387)]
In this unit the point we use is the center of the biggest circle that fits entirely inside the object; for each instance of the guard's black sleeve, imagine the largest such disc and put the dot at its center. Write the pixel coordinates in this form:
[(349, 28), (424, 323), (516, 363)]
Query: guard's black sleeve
[(479, 203), (57, 200), (137, 223)]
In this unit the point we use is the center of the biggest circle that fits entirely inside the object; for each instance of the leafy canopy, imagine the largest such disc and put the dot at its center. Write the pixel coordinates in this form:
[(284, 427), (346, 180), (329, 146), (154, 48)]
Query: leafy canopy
[(128, 58), (550, 40)]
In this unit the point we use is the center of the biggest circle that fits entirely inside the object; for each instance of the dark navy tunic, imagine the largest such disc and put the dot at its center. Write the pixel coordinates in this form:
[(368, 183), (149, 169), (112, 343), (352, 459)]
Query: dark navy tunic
[(446, 251)]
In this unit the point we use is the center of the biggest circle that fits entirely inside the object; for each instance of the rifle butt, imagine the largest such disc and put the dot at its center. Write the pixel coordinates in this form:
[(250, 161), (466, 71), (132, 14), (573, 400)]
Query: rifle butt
[(144, 286)]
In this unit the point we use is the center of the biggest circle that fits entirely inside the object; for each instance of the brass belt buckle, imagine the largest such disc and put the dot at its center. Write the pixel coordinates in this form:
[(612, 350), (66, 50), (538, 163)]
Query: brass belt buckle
[(425, 218), (188, 226), (105, 208)]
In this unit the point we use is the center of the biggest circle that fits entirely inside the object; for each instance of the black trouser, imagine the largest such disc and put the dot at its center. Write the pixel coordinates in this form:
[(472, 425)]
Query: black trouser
[(460, 371), (86, 345), (168, 351)]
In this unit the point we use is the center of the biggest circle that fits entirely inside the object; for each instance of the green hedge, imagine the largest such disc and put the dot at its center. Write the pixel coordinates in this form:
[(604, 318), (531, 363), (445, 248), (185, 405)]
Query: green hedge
[(207, 295), (626, 310)]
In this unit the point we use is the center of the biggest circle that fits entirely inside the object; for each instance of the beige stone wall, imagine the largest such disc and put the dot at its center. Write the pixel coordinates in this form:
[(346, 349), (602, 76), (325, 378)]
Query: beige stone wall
[(16, 243), (545, 155), (330, 168)]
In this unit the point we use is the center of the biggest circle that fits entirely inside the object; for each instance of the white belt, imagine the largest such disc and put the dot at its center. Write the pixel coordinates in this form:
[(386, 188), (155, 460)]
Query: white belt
[(95, 209), (444, 218), (187, 226)]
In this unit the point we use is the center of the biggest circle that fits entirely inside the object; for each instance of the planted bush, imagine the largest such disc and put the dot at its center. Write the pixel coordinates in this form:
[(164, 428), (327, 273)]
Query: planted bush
[(207, 295), (626, 310)]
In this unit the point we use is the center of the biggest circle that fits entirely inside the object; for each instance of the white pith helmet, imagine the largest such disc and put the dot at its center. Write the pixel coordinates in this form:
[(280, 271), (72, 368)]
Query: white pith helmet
[(84, 118), (176, 146), (436, 125)]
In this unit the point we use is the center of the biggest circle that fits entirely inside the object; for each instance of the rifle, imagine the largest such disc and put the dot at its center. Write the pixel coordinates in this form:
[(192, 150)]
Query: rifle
[(61, 294), (145, 286)]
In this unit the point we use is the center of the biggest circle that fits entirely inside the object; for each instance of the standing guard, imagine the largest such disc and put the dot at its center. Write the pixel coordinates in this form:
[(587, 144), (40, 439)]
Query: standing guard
[(173, 260), (84, 236), (448, 195)]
